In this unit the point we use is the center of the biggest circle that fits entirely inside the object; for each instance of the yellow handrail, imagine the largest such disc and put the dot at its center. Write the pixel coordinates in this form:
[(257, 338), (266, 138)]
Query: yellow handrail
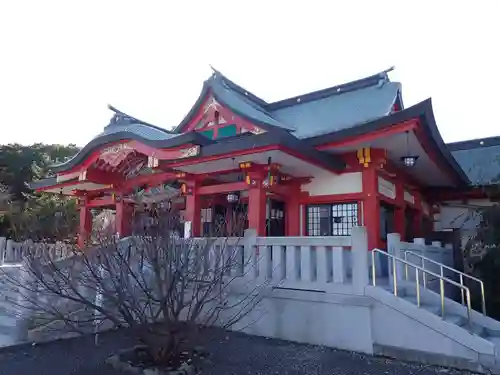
[(442, 267), (442, 279)]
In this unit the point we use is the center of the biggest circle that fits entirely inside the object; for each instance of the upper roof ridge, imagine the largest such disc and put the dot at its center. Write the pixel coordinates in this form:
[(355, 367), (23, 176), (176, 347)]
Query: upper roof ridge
[(235, 87), (121, 118), (376, 79)]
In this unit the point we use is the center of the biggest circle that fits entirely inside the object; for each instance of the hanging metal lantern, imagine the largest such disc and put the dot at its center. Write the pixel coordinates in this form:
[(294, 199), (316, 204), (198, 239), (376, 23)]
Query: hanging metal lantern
[(232, 198), (409, 160)]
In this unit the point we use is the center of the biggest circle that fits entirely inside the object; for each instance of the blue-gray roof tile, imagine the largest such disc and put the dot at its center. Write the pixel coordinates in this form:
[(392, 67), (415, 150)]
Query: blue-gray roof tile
[(143, 131), (341, 111), (480, 159), (242, 105)]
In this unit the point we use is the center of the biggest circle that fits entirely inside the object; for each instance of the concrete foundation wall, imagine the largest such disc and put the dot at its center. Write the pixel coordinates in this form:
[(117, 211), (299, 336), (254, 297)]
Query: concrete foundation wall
[(334, 320)]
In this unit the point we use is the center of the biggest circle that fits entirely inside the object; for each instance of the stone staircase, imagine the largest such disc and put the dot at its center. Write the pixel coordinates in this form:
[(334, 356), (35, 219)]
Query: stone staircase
[(479, 330)]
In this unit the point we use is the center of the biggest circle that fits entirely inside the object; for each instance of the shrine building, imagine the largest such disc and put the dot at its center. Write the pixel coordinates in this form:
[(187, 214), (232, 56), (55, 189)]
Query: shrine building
[(316, 164)]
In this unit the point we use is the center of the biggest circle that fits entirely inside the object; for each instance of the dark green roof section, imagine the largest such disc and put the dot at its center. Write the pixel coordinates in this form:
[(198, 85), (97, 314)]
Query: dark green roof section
[(479, 158)]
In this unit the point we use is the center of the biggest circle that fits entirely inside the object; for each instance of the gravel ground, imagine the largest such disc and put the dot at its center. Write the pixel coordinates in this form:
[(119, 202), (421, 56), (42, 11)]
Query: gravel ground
[(231, 354)]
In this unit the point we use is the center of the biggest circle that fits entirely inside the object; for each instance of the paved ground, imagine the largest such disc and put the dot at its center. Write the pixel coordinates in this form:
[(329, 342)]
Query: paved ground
[(231, 354)]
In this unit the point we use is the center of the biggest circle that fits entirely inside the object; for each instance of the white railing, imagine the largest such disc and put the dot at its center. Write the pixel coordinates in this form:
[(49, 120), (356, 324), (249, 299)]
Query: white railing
[(12, 252), (302, 263), (436, 252)]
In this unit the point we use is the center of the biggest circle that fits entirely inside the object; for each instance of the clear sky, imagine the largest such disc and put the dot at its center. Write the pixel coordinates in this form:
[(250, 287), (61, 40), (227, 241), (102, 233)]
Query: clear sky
[(62, 62)]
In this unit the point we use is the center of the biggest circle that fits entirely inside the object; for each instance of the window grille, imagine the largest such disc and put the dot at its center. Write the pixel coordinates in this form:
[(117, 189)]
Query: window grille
[(336, 219)]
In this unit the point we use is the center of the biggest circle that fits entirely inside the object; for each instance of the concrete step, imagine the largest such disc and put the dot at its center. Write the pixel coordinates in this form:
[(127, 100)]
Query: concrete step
[(496, 342), (449, 317), (402, 292), (436, 310)]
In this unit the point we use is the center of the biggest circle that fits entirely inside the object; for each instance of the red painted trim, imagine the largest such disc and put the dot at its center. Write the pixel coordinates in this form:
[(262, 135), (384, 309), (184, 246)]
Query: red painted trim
[(162, 154), (257, 202), (101, 202), (58, 185), (362, 138), (209, 116), (199, 115), (427, 145), (256, 150), (331, 198), (150, 180), (222, 188), (100, 177), (223, 156), (371, 207)]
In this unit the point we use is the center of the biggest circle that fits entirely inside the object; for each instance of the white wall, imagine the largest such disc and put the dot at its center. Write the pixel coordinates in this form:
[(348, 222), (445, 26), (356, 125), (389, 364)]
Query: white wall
[(335, 320), (455, 214), (459, 215), (334, 184)]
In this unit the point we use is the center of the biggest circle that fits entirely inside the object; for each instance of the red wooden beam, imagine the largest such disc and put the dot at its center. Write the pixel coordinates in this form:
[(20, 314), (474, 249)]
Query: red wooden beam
[(222, 188), (102, 177), (363, 138), (101, 202), (433, 155), (249, 151), (163, 154), (305, 198), (150, 180)]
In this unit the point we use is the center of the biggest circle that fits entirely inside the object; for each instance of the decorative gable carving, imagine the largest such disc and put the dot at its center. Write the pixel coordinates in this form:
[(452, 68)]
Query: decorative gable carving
[(214, 116)]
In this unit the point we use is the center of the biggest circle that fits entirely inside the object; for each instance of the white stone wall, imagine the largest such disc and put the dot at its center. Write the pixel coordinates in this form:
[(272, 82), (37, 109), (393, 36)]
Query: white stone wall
[(328, 184)]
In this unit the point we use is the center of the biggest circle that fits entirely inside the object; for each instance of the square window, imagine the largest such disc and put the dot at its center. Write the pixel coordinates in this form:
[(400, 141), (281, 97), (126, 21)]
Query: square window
[(336, 219)]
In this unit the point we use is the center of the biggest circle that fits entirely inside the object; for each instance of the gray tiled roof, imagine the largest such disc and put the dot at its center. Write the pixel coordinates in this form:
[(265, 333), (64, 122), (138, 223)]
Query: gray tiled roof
[(143, 131), (481, 162), (341, 111)]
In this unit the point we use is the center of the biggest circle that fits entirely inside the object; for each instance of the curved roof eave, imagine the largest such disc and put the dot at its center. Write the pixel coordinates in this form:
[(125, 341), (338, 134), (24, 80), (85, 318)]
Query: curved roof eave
[(207, 88), (282, 138), (194, 109), (422, 110), (252, 119), (177, 140)]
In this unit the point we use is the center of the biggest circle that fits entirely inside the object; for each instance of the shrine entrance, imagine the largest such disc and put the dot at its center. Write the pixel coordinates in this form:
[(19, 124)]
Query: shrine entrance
[(276, 223)]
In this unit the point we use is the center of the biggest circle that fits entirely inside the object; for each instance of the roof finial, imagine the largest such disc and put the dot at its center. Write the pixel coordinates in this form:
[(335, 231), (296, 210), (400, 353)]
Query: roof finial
[(215, 72)]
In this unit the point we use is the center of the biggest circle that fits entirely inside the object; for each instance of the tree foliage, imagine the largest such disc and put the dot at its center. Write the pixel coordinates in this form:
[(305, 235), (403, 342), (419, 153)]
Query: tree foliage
[(482, 255), (23, 213)]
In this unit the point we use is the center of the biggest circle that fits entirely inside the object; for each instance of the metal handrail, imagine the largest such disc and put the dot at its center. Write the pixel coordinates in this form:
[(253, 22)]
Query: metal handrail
[(442, 267), (442, 279)]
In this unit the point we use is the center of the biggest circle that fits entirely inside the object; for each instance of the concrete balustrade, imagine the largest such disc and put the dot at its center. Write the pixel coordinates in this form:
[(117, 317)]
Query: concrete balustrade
[(317, 291), (12, 252)]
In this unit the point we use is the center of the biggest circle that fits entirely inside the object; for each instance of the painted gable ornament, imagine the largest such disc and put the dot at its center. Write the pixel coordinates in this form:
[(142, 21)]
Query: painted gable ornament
[(114, 155)]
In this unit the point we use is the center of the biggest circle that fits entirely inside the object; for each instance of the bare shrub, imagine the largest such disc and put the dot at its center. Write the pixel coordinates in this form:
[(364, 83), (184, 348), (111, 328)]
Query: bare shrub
[(159, 286)]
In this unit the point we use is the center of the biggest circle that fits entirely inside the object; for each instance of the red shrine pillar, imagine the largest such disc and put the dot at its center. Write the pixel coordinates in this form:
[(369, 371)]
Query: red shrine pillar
[(257, 201), (371, 206), (418, 219), (85, 223), (123, 217), (292, 215), (193, 208), (399, 211)]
